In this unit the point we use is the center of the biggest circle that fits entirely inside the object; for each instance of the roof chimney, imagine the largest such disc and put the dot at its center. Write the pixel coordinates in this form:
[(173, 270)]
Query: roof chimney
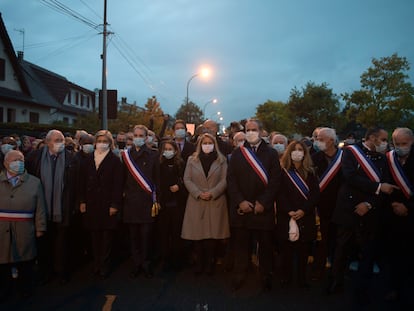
[(20, 55)]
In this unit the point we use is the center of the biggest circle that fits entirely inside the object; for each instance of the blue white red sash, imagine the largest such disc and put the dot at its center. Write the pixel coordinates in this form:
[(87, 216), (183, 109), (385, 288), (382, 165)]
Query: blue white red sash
[(331, 170), (298, 182), (399, 176), (367, 165), (136, 172), (6, 215), (255, 164)]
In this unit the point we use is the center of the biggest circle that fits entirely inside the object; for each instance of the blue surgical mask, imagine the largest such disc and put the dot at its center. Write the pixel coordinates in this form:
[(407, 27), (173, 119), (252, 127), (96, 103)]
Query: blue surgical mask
[(17, 167), (280, 148), (6, 148), (87, 148), (168, 154), (402, 151), (180, 133), (139, 141)]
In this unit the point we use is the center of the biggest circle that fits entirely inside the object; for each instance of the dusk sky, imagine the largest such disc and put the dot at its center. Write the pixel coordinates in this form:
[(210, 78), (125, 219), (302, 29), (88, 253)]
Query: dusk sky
[(257, 49)]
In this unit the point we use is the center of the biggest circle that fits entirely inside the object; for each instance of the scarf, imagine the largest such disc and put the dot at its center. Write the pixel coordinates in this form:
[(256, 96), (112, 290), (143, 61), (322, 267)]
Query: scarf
[(52, 185), (207, 160)]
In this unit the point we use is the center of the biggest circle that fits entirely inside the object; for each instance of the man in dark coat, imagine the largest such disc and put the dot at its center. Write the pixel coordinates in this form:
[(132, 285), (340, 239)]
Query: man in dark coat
[(141, 187), (251, 206), (327, 164), (180, 132), (400, 213), (58, 171), (359, 207)]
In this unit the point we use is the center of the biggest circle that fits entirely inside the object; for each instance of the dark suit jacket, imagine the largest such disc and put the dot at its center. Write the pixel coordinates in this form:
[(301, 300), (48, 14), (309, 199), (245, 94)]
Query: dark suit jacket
[(244, 184), (357, 188), (101, 189), (137, 202), (289, 199), (328, 197), (70, 195), (188, 150)]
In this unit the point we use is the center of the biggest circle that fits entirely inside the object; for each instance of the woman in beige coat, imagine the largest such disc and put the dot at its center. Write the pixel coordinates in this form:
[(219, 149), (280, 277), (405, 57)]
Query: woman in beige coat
[(206, 217)]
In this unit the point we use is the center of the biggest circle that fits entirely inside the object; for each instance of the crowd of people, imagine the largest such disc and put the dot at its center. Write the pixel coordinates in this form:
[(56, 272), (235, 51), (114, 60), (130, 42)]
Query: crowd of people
[(184, 200)]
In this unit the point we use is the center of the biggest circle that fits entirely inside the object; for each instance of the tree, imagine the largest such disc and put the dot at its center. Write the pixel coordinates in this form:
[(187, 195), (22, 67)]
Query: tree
[(275, 116), (313, 106), (386, 98), (190, 113)]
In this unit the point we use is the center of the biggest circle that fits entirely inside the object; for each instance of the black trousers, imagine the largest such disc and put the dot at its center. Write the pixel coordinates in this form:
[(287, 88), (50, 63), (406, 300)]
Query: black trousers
[(291, 252), (24, 281), (53, 251), (140, 241), (325, 247), (242, 247), (366, 243), (102, 242)]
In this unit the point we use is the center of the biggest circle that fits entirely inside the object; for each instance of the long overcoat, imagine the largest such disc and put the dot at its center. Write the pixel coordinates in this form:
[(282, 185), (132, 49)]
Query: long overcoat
[(245, 184), (205, 219), (18, 238), (100, 190)]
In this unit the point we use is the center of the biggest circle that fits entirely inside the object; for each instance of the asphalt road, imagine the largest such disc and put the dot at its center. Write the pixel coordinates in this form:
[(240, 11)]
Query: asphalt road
[(185, 291)]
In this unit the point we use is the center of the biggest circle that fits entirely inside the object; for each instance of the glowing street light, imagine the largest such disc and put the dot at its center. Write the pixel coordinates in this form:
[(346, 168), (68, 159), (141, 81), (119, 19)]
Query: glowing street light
[(204, 72), (214, 101)]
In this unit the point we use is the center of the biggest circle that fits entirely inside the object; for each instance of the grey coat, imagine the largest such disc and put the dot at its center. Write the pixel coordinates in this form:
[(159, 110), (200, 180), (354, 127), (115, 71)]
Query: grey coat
[(205, 219), (18, 237)]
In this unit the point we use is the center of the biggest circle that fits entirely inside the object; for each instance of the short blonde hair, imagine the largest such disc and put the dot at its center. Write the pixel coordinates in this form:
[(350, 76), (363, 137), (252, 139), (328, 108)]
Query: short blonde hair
[(108, 135)]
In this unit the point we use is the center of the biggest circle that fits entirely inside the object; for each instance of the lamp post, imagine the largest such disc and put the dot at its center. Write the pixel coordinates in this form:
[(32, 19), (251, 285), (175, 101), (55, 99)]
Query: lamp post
[(188, 84), (205, 72), (214, 100)]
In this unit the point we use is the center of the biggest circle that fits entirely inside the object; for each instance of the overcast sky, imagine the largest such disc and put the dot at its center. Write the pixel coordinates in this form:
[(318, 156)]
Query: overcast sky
[(257, 49)]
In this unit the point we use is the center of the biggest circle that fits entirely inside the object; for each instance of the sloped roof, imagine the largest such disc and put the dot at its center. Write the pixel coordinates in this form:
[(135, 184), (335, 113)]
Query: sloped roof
[(9, 50)]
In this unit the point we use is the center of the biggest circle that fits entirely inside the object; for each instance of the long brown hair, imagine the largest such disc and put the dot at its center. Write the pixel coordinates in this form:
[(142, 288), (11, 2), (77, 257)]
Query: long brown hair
[(307, 165), (177, 157)]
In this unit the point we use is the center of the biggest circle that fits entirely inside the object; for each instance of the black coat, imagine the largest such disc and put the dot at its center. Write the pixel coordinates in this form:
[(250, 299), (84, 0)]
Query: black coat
[(70, 197), (188, 149), (357, 187), (172, 174), (328, 197), (137, 202), (289, 199), (100, 190), (244, 184)]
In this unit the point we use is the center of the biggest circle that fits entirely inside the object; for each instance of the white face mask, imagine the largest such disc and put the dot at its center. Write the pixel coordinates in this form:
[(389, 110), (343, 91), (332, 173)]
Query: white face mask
[(87, 148), (101, 147), (321, 145), (168, 154), (402, 151), (381, 147), (58, 147), (297, 155), (207, 148), (252, 137)]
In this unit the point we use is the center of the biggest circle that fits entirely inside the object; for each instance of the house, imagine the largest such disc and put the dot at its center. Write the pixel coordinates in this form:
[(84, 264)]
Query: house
[(30, 93)]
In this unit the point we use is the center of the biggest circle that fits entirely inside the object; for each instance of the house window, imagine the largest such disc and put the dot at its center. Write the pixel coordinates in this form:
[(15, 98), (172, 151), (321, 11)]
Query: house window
[(69, 97), (2, 69), (11, 115), (77, 99), (88, 104), (1, 114), (34, 117), (66, 120), (83, 100)]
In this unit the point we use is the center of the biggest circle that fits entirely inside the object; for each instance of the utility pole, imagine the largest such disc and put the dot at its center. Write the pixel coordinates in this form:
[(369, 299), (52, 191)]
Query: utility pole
[(22, 33), (104, 90)]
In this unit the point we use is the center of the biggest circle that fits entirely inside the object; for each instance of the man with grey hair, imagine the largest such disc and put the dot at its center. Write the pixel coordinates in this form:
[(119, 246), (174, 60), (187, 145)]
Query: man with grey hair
[(327, 163), (58, 171), (400, 224)]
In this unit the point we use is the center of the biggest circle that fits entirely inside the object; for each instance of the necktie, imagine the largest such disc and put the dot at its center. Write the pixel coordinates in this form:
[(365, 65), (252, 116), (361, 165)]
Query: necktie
[(254, 149)]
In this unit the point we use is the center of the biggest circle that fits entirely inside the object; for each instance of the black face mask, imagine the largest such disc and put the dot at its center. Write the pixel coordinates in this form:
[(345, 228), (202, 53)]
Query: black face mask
[(69, 148), (121, 144)]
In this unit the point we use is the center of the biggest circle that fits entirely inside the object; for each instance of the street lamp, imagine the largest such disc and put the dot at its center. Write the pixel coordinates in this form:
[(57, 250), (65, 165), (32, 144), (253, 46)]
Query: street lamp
[(205, 72), (214, 101)]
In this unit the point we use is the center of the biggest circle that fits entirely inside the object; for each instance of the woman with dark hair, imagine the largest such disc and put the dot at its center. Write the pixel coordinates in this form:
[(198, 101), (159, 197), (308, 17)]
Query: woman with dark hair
[(206, 216), (172, 198), (101, 185), (296, 228)]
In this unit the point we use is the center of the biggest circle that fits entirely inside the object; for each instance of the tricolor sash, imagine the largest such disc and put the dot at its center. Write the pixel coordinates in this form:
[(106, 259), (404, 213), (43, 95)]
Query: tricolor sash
[(7, 215), (331, 171), (367, 165), (255, 163), (141, 179), (399, 175), (298, 182)]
